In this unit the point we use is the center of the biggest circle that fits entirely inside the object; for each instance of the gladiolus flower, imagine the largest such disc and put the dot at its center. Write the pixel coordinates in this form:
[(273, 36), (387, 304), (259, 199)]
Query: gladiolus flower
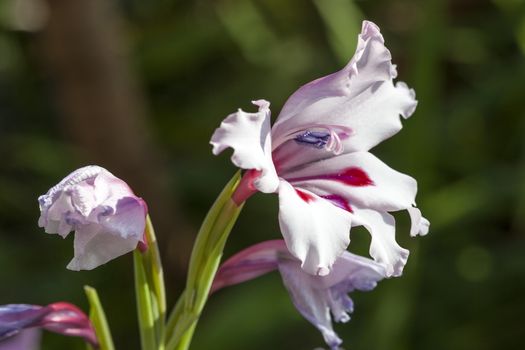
[(316, 158), (317, 298), (62, 318), (107, 217)]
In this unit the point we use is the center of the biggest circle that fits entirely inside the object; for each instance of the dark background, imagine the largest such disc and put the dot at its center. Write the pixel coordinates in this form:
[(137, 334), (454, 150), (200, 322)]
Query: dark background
[(139, 86)]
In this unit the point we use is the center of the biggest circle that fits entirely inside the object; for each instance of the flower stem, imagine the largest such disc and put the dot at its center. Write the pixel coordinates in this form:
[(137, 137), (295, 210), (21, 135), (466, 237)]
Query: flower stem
[(204, 262), (185, 340), (98, 319), (144, 304), (150, 292)]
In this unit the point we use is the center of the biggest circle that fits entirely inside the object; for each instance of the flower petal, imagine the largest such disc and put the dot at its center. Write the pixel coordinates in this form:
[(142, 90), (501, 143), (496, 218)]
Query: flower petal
[(249, 136), (359, 177), (114, 235), (67, 319), (311, 302), (420, 225), (361, 97), (249, 263), (292, 154), (16, 317), (128, 220), (363, 273), (316, 232), (28, 339), (383, 248), (351, 272), (62, 318), (95, 247)]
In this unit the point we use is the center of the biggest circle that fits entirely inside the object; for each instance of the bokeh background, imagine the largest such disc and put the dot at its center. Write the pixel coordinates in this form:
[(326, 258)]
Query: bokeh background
[(139, 86)]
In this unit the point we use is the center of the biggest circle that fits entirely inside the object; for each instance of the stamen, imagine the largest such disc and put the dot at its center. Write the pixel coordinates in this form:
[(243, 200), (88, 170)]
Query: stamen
[(317, 139), (335, 145), (327, 138)]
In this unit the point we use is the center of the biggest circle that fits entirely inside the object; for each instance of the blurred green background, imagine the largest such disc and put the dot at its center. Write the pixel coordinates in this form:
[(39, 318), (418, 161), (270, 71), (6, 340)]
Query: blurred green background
[(139, 86)]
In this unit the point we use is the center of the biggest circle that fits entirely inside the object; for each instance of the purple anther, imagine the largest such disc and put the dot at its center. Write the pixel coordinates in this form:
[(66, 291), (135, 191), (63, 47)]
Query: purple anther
[(317, 139)]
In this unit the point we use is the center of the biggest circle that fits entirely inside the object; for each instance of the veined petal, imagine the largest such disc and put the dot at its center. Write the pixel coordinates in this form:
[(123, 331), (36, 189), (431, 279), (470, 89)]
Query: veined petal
[(361, 97), (249, 136), (359, 177), (316, 232), (383, 248)]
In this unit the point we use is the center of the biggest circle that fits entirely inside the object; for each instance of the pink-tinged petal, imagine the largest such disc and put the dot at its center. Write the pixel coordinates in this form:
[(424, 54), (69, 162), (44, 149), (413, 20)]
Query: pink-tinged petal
[(318, 298), (292, 154), (17, 317), (361, 97), (108, 191), (321, 298), (250, 263), (420, 225), (114, 234), (339, 202), (67, 319), (316, 232), (249, 136), (28, 339), (62, 318), (107, 217), (383, 248), (360, 178), (311, 302), (363, 273)]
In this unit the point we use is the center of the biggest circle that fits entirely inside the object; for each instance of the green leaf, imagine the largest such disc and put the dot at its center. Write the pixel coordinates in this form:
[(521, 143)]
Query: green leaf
[(144, 304), (98, 319), (204, 262)]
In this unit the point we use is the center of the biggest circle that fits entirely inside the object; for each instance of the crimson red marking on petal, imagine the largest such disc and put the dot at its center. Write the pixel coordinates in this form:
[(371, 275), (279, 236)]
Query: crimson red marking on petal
[(339, 201), (307, 197), (353, 176)]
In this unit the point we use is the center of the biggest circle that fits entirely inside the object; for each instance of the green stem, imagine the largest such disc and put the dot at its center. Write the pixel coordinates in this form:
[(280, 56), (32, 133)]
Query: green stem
[(150, 292), (98, 319), (175, 316), (144, 304), (204, 262), (155, 277), (185, 340)]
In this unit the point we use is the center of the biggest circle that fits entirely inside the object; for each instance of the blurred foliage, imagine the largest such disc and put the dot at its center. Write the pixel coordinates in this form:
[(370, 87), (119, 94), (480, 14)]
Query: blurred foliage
[(198, 61)]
